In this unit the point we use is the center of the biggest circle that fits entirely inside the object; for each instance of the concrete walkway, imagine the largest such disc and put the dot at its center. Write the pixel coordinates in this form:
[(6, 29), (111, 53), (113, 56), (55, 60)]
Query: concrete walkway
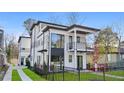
[(23, 76), (8, 74), (108, 75)]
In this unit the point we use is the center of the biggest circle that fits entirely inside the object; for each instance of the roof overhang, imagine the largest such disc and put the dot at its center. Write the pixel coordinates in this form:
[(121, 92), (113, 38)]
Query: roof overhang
[(78, 28), (52, 24), (82, 29), (43, 50), (22, 37)]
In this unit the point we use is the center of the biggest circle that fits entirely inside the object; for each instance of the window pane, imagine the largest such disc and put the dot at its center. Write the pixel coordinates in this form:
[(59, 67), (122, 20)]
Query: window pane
[(70, 58), (57, 41), (78, 39)]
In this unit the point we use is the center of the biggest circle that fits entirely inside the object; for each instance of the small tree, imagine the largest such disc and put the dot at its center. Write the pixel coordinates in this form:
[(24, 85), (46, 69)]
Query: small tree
[(11, 47), (27, 63), (106, 40)]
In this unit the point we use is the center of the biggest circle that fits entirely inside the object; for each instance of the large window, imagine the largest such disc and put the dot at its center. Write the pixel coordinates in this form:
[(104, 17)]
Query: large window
[(55, 58), (57, 41)]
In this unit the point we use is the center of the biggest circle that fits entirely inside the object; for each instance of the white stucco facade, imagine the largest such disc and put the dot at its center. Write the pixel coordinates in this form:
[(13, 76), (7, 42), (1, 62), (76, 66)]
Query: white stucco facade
[(42, 49)]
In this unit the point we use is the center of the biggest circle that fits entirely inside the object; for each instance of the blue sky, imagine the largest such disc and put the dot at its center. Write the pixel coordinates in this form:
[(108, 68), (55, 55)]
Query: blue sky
[(13, 22)]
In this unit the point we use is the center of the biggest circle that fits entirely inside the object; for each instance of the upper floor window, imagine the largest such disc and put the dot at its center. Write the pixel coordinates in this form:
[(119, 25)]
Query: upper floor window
[(23, 49), (70, 39), (57, 40), (78, 39)]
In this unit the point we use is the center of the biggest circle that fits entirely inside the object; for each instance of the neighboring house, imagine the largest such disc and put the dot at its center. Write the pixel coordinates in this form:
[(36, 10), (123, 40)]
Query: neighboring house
[(1, 38), (52, 43), (115, 58), (122, 50), (2, 52), (24, 49)]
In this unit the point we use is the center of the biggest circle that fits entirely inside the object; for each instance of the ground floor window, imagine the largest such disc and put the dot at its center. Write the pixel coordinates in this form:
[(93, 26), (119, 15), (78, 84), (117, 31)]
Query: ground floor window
[(70, 58), (38, 59), (54, 58)]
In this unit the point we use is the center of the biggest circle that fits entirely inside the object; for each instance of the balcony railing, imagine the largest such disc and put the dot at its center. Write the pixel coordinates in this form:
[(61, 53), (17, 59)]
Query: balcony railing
[(82, 46), (79, 46)]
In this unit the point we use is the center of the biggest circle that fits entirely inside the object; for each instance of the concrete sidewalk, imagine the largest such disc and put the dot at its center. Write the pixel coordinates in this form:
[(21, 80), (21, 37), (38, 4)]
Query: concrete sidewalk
[(23, 76), (8, 75), (108, 75)]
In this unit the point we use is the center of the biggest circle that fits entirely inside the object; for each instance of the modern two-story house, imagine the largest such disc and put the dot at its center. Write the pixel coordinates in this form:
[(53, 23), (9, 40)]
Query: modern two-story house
[(59, 45), (24, 49)]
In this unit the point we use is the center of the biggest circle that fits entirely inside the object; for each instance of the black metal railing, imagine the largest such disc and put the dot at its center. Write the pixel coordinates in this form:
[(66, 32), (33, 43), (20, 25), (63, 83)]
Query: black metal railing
[(57, 73)]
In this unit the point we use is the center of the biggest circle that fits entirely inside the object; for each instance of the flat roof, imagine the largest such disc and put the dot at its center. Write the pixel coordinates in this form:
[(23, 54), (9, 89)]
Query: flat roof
[(22, 37), (38, 22), (66, 27), (84, 27)]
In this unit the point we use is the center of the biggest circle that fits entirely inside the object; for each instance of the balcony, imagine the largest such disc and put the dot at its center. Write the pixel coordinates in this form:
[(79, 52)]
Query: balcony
[(83, 46), (79, 46)]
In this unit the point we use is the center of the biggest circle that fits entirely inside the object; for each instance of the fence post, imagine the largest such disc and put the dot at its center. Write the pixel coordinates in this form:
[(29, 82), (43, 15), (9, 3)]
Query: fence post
[(53, 73), (63, 73), (78, 71), (103, 73), (46, 73), (79, 74)]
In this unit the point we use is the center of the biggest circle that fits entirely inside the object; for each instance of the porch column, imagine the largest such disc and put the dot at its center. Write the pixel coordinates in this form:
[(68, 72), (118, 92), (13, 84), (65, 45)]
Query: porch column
[(65, 51), (85, 55), (49, 49), (75, 48), (84, 61)]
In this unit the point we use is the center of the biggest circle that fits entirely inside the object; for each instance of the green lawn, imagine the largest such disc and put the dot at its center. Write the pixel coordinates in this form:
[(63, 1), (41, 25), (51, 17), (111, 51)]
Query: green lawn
[(87, 76), (15, 76), (13, 65), (117, 73), (33, 75), (83, 77)]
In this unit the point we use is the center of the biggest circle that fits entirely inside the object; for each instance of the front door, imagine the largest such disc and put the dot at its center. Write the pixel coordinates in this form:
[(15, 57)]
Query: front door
[(80, 62)]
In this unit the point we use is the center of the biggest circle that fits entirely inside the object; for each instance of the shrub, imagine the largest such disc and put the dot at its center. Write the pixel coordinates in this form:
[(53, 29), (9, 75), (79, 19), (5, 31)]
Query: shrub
[(28, 63)]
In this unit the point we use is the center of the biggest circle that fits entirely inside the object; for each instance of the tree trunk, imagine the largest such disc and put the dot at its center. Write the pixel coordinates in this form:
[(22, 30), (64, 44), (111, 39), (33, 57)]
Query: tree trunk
[(106, 54), (119, 54)]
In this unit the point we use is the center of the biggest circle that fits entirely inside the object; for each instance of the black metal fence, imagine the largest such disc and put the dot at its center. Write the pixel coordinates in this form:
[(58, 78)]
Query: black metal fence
[(58, 73)]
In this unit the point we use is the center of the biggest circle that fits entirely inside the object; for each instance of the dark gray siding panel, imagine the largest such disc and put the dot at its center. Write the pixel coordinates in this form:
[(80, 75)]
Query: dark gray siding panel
[(57, 52)]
